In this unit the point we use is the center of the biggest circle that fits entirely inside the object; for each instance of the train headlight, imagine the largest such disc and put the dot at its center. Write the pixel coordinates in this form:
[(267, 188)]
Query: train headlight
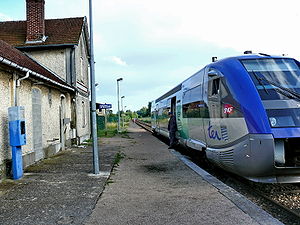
[(273, 121)]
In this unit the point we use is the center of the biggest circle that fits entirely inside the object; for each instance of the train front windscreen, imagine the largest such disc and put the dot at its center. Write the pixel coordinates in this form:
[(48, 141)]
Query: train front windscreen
[(277, 79)]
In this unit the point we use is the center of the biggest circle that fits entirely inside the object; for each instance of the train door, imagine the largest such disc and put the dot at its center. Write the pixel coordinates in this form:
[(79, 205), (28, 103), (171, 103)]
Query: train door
[(173, 105), (212, 120), (225, 122), (192, 104), (156, 117), (154, 109)]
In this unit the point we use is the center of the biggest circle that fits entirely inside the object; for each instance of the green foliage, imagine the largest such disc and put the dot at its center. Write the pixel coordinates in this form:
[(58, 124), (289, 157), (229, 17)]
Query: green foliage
[(149, 109), (146, 119), (129, 115), (112, 118), (118, 157), (111, 130), (145, 111)]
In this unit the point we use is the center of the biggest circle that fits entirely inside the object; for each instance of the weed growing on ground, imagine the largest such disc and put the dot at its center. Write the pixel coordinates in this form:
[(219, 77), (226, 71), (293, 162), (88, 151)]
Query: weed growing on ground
[(109, 181), (118, 157), (124, 134)]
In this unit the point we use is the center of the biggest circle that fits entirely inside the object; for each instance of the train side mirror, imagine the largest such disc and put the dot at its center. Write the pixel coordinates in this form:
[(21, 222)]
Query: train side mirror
[(212, 74)]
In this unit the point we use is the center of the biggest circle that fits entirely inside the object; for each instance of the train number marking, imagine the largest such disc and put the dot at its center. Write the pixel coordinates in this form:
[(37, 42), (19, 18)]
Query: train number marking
[(228, 109), (213, 134)]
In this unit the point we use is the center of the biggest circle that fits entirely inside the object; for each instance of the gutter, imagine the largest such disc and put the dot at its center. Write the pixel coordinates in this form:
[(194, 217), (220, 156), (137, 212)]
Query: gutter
[(23, 78), (45, 46), (24, 69)]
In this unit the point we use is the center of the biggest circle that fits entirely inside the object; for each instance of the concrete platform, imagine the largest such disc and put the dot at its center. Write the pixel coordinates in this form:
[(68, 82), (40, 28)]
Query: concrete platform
[(151, 185), (58, 190), (154, 185)]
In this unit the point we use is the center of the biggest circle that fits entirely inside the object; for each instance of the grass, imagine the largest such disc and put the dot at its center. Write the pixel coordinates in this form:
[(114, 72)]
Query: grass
[(107, 133), (88, 142), (110, 131), (145, 119), (118, 157), (109, 181)]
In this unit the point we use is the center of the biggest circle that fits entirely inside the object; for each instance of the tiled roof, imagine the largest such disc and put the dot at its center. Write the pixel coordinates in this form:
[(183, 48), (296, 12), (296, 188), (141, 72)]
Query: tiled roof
[(59, 32), (7, 52)]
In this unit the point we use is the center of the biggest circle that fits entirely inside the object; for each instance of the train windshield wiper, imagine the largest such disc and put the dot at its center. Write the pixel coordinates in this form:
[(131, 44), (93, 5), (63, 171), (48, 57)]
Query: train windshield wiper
[(282, 90), (260, 83)]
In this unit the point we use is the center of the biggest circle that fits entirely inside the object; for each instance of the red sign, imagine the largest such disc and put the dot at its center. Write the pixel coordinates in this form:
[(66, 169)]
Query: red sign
[(228, 109)]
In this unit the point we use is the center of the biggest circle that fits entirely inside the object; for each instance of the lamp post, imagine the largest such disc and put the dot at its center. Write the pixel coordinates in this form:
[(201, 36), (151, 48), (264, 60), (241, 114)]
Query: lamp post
[(122, 111), (118, 93), (93, 96)]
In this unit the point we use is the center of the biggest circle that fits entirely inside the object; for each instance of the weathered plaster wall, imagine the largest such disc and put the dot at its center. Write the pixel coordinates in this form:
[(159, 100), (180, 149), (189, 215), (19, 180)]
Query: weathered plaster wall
[(50, 115), (5, 103), (83, 116), (82, 77), (54, 59), (81, 62)]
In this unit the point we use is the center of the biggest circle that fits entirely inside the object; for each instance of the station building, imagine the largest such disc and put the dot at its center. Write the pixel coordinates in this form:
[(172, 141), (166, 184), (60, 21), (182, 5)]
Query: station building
[(44, 66)]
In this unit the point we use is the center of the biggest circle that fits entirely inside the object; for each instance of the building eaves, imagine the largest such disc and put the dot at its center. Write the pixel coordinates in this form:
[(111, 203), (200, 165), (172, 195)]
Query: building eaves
[(16, 59)]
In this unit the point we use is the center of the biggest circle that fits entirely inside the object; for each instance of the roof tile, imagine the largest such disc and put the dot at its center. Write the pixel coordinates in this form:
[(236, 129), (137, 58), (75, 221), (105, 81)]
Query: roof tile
[(58, 32)]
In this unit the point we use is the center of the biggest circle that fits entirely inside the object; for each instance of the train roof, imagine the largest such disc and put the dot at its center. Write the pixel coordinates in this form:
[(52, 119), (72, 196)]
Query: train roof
[(221, 61), (250, 56)]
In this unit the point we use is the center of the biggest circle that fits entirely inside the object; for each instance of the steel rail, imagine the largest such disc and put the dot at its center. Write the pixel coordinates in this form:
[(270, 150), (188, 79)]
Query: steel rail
[(277, 203), (144, 125)]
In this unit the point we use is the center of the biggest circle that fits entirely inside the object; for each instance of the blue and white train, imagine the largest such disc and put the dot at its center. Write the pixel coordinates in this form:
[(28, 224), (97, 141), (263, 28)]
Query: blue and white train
[(243, 112)]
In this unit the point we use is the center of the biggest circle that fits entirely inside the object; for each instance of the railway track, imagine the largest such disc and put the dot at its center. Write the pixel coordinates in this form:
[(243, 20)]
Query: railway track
[(285, 196), (144, 125), (282, 197)]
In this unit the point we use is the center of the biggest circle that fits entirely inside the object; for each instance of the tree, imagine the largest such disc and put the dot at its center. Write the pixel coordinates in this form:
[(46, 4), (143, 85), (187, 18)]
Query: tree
[(143, 112), (149, 109)]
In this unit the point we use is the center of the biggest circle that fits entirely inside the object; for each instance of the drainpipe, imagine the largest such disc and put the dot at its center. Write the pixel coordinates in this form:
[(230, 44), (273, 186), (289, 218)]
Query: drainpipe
[(18, 84), (23, 78)]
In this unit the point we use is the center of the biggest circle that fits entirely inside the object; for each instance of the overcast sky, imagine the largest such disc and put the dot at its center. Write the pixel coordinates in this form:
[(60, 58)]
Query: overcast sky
[(154, 45)]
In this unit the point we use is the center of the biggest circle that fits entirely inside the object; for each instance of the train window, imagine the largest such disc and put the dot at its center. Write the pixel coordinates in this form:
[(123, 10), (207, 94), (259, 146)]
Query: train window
[(192, 95), (215, 86), (190, 102), (274, 78), (221, 103), (160, 111), (191, 110), (230, 108)]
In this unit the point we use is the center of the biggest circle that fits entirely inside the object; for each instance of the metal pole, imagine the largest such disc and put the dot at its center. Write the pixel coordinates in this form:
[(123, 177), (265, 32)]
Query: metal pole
[(122, 112), (105, 120), (93, 93), (118, 106), (118, 93)]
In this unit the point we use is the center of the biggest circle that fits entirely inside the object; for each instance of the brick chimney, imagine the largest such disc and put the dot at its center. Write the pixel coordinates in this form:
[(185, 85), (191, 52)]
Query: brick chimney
[(35, 12)]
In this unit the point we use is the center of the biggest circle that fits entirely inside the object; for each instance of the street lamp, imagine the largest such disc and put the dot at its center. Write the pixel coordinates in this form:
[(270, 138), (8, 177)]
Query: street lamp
[(118, 93), (96, 163), (122, 111)]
